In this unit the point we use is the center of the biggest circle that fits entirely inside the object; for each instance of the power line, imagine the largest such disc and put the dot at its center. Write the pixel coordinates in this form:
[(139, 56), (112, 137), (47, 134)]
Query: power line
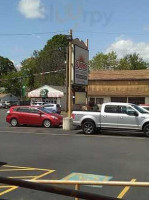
[(112, 33), (26, 76), (32, 34), (64, 31)]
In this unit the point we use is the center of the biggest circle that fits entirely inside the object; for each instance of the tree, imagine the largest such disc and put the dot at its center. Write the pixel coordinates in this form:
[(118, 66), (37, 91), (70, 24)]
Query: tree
[(104, 61), (110, 61), (27, 71), (12, 83), (132, 62), (52, 59), (6, 66)]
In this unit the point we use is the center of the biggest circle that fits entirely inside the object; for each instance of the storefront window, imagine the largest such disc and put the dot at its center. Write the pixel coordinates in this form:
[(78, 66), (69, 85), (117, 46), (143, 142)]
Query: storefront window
[(119, 99), (136, 100), (99, 100), (92, 100)]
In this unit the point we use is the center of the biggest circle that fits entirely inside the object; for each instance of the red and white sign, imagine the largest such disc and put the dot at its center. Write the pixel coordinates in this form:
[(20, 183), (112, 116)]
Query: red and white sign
[(81, 60)]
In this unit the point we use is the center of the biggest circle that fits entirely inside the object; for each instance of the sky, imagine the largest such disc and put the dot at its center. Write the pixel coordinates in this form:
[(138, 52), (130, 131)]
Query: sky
[(110, 25)]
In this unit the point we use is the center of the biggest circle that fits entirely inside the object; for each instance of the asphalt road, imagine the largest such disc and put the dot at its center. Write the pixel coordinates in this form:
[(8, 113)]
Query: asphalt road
[(39, 153)]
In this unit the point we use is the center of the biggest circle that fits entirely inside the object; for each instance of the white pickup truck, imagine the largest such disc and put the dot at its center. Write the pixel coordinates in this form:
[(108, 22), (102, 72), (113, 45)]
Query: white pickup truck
[(113, 116)]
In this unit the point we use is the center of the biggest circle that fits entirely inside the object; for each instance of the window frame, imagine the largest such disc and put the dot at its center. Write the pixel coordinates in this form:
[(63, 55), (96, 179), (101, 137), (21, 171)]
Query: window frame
[(116, 106)]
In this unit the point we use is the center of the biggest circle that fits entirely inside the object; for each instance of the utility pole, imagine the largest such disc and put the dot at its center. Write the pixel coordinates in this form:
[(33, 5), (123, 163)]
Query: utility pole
[(67, 121), (70, 78), (67, 76)]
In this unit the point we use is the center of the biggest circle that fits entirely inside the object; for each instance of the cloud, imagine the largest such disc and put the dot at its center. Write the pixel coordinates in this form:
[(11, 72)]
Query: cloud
[(32, 9), (18, 66), (123, 47), (12, 61)]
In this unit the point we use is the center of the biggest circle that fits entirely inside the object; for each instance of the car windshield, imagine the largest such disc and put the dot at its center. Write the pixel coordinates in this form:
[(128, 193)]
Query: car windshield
[(146, 108), (48, 111), (141, 110)]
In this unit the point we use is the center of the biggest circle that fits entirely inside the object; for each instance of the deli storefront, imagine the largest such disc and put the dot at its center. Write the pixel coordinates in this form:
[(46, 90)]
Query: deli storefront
[(127, 86)]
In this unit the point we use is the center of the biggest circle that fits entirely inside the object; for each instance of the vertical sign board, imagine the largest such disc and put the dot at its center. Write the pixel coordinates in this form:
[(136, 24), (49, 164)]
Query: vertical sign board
[(80, 97), (81, 60)]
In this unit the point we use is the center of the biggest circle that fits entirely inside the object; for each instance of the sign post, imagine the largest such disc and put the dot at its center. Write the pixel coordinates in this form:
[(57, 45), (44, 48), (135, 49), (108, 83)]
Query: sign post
[(70, 78), (67, 122), (78, 73)]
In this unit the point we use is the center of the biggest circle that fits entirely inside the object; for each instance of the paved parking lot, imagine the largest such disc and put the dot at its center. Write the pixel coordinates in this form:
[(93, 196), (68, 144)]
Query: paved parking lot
[(40, 153)]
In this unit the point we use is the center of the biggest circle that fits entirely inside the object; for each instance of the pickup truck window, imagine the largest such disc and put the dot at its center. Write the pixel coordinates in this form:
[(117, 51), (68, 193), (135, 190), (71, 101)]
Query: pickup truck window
[(126, 110), (140, 109), (111, 109)]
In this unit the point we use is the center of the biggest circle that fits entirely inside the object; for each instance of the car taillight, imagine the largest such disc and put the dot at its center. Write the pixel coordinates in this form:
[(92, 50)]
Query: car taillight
[(73, 116)]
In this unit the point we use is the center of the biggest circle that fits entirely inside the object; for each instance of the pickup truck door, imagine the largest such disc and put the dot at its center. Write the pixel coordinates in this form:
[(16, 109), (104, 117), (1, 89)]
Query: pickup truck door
[(127, 118), (109, 116)]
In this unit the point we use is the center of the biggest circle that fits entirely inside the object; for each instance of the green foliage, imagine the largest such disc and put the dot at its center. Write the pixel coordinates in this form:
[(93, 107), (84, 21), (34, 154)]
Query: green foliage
[(110, 61), (2, 90), (6, 66), (132, 62), (27, 71), (53, 55), (13, 83), (104, 61), (51, 59)]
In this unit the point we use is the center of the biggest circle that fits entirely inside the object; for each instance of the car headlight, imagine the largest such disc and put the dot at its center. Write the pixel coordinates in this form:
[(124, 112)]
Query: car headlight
[(54, 117)]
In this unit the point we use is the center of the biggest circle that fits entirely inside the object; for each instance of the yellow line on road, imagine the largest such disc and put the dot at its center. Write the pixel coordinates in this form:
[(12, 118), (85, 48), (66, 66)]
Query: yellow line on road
[(106, 178), (9, 170), (22, 177), (11, 188), (46, 173), (125, 190), (5, 186), (18, 167)]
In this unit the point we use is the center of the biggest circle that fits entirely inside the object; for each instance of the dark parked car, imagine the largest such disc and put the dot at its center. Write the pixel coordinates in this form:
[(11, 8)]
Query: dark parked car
[(29, 115)]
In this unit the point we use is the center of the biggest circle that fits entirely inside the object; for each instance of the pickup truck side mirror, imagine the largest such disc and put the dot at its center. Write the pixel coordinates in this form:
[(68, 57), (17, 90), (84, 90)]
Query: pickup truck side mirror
[(136, 114)]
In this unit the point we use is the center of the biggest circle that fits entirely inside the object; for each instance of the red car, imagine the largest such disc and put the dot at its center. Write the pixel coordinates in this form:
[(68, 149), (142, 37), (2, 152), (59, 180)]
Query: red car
[(29, 115)]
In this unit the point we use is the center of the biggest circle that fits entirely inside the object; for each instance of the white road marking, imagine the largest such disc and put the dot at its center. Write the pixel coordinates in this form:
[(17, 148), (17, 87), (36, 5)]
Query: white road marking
[(79, 135)]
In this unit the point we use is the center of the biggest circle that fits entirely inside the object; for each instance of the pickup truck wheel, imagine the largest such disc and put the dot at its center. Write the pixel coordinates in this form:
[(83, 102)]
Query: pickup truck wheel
[(88, 127), (146, 130)]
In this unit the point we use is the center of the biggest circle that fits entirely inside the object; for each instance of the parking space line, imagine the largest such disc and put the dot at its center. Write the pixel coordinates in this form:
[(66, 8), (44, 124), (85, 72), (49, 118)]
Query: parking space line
[(12, 166), (10, 170), (21, 177), (46, 173), (125, 190), (9, 190), (5, 186), (74, 135), (18, 168), (16, 132)]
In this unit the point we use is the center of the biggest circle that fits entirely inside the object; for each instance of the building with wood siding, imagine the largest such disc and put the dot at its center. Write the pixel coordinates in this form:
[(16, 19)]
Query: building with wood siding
[(119, 86)]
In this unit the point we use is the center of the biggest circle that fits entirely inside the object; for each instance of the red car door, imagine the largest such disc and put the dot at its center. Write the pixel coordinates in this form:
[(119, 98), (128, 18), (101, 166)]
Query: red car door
[(22, 113), (34, 117)]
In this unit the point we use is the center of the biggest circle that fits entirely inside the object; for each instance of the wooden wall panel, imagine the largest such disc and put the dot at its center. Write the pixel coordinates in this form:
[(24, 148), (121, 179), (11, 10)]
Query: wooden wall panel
[(118, 88)]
